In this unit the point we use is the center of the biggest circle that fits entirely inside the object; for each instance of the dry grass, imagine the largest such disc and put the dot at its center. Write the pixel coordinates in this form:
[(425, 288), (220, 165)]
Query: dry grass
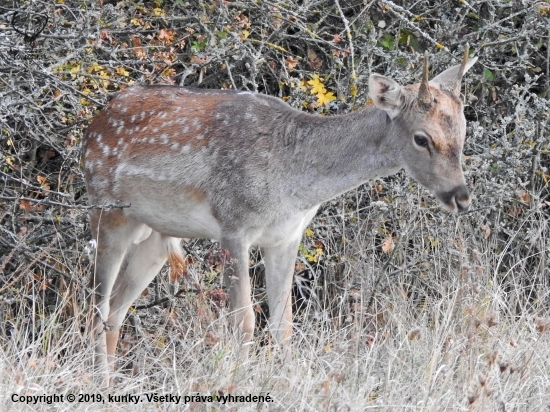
[(445, 335)]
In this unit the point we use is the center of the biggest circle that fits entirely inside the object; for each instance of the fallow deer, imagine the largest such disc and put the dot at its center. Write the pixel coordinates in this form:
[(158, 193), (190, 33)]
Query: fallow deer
[(246, 169)]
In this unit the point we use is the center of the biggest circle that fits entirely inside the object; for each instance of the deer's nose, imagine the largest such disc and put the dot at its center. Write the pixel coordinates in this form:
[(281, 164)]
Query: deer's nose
[(457, 199)]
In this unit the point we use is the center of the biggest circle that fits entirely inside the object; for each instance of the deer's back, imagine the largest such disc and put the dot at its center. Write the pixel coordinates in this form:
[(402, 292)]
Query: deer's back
[(203, 160)]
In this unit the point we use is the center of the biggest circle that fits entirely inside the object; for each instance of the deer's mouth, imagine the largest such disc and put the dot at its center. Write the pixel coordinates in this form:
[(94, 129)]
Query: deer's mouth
[(456, 200)]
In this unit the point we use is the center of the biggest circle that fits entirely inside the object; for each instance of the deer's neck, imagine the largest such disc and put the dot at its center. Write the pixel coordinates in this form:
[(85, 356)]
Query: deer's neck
[(327, 156)]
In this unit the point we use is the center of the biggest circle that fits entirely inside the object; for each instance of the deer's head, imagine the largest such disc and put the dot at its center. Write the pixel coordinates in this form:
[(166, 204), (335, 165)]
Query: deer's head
[(429, 123)]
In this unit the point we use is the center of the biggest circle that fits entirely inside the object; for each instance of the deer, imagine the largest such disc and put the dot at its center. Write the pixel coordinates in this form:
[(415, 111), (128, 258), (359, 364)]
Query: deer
[(247, 169)]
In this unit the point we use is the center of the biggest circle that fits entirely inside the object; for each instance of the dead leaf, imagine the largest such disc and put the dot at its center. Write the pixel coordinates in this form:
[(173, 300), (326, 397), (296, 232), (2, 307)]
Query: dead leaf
[(291, 63), (313, 60), (525, 197), (70, 140), (388, 244), (414, 334), (43, 182), (242, 21), (337, 38), (197, 60), (25, 205), (166, 36), (105, 35)]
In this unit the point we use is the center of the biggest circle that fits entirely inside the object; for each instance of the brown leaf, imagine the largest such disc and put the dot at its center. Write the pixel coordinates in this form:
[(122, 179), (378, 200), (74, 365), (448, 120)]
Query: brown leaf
[(525, 197), (197, 60), (291, 63), (25, 205), (388, 244), (43, 182), (414, 334), (337, 38), (70, 140), (313, 60), (166, 36), (105, 35)]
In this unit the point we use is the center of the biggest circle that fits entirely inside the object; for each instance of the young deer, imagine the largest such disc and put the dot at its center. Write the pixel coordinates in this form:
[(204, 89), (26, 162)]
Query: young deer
[(247, 169)]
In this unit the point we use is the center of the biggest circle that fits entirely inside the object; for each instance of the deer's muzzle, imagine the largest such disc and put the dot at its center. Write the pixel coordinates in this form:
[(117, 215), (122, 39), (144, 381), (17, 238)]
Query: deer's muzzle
[(456, 200)]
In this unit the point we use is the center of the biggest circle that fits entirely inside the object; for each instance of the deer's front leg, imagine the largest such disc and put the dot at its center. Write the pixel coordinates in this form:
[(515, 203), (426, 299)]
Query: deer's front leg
[(237, 280), (279, 272)]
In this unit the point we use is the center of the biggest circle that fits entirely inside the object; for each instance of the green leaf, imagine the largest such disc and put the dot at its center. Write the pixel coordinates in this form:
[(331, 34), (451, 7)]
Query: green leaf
[(488, 74), (387, 41), (198, 45)]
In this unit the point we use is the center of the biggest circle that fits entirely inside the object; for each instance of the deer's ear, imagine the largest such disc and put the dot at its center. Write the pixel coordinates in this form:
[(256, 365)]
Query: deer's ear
[(450, 79), (386, 94)]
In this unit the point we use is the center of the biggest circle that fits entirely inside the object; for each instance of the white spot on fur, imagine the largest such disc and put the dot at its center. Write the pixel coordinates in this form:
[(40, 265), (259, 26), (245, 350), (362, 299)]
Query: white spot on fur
[(186, 149), (175, 146), (164, 138)]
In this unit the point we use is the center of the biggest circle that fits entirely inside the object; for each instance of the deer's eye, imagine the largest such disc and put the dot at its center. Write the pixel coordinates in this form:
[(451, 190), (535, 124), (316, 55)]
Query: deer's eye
[(421, 140)]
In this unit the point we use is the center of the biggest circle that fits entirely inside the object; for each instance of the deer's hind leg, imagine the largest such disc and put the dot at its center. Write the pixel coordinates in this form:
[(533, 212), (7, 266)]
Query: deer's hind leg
[(114, 233), (143, 262)]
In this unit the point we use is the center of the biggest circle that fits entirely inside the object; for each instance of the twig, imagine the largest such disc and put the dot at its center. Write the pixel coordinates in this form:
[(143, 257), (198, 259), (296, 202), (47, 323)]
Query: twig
[(47, 201), (400, 12), (168, 298), (26, 269), (351, 49), (32, 186)]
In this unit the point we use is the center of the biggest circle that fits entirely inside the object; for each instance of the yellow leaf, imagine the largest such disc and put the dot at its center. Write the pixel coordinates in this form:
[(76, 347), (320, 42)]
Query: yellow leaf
[(309, 232), (317, 86), (135, 22), (439, 46), (323, 99), (75, 68), (95, 67), (157, 12), (353, 89), (168, 72), (122, 71), (245, 34)]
